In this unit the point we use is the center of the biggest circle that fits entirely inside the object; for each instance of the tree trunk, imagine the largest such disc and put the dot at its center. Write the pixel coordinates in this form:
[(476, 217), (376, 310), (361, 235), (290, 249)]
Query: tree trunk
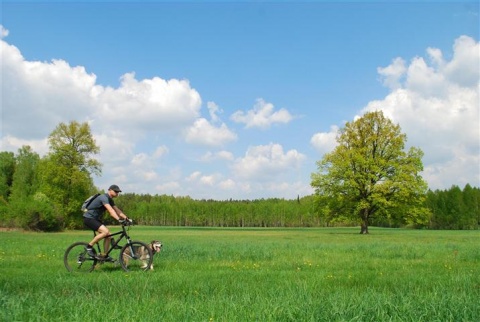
[(364, 226)]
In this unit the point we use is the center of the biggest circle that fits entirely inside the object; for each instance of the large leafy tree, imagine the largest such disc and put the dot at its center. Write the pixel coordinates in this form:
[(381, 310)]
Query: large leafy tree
[(369, 174), (68, 168)]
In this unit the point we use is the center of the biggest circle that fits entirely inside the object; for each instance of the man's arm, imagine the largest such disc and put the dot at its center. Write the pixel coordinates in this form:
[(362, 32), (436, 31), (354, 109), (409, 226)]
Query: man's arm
[(115, 212), (120, 212)]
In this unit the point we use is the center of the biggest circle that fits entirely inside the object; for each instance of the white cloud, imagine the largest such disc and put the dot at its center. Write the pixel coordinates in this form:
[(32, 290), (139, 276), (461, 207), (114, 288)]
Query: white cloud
[(115, 147), (147, 176), (10, 143), (170, 187), (40, 95), (228, 184), (194, 176), (266, 169), (3, 32), (267, 162), (143, 167), (204, 180), (263, 115), (202, 132), (325, 142), (208, 180), (437, 106), (213, 110), (150, 104), (160, 152), (139, 159), (464, 69), (392, 74), (220, 155)]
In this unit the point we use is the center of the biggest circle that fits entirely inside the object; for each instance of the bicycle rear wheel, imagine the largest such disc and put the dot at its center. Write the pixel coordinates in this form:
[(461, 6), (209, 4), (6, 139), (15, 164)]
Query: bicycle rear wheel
[(136, 256), (76, 258)]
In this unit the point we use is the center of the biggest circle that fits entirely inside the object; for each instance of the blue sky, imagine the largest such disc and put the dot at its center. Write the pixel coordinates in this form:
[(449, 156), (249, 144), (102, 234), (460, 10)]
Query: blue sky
[(240, 99)]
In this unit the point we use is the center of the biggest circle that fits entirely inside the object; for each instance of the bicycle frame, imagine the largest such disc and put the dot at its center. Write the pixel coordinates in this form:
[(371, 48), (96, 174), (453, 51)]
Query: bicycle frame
[(123, 234)]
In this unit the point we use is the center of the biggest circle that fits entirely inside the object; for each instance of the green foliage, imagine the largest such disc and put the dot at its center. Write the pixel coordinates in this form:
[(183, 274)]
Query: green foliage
[(184, 211), (38, 213), (25, 182), (370, 175), (46, 194), (4, 214), (66, 171), (454, 208), (73, 146), (7, 168)]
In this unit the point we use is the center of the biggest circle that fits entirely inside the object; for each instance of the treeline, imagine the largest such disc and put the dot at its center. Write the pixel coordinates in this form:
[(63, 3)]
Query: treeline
[(450, 209), (454, 208), (31, 197), (167, 210)]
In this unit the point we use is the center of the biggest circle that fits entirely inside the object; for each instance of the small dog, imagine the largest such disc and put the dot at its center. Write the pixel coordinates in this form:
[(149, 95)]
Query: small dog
[(142, 253)]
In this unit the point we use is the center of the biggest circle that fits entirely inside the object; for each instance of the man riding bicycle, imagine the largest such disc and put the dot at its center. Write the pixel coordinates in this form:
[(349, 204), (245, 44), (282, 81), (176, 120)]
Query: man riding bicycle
[(92, 217)]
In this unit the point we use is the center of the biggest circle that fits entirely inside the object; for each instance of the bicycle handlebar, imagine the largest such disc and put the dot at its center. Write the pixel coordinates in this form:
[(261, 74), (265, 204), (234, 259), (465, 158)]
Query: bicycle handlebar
[(127, 222)]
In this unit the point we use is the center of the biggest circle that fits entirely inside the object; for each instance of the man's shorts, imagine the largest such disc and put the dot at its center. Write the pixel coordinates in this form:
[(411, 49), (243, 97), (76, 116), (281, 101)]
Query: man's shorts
[(92, 223)]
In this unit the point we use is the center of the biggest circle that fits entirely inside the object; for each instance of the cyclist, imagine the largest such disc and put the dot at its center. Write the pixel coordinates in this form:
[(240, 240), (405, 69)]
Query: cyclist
[(92, 218)]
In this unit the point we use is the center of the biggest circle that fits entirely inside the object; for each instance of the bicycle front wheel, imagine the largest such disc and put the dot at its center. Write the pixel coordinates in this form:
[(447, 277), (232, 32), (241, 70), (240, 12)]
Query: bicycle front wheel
[(76, 258), (136, 256)]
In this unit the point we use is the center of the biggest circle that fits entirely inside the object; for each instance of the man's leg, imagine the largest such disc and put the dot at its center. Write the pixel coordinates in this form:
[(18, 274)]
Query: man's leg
[(102, 232), (106, 243)]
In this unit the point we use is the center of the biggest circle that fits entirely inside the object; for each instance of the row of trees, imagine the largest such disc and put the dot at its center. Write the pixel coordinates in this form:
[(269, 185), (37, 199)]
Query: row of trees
[(367, 179), (450, 209), (454, 208), (184, 211)]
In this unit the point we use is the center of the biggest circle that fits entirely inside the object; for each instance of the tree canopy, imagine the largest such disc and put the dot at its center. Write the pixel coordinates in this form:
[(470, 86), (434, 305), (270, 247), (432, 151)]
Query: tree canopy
[(369, 174), (66, 172)]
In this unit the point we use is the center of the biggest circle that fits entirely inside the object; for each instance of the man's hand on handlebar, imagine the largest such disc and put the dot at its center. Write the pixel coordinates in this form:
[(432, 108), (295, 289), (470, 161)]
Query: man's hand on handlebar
[(126, 222)]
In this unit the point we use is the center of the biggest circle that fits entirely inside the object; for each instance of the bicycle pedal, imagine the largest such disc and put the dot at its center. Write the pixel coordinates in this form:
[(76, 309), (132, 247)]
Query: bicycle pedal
[(105, 259)]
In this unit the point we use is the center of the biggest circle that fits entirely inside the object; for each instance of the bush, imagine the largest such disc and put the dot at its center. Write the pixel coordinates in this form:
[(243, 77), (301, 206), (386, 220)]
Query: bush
[(37, 213)]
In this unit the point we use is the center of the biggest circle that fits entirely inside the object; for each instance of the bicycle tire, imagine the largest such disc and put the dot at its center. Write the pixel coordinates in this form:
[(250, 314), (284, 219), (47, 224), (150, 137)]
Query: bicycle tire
[(76, 258), (141, 260)]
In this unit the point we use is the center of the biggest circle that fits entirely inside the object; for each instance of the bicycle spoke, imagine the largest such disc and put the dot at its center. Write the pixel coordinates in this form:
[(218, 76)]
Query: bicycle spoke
[(76, 258), (136, 256)]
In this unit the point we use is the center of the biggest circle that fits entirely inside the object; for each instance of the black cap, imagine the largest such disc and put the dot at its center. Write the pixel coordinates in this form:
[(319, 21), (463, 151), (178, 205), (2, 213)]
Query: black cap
[(115, 188)]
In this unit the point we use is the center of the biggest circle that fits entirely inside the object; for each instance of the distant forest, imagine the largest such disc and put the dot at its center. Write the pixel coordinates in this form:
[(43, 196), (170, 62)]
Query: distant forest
[(450, 209)]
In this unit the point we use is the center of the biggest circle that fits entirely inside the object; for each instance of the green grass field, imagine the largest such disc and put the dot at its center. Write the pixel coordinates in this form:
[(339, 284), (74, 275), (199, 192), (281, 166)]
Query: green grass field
[(213, 274)]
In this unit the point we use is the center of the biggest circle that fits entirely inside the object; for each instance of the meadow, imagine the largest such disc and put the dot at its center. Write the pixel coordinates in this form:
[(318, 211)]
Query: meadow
[(242, 274)]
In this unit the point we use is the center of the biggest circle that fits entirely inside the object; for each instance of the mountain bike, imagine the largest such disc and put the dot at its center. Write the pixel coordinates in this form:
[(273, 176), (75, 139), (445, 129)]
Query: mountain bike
[(134, 255)]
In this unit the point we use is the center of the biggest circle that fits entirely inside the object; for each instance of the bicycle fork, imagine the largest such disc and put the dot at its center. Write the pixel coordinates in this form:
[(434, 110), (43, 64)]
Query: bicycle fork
[(133, 253)]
